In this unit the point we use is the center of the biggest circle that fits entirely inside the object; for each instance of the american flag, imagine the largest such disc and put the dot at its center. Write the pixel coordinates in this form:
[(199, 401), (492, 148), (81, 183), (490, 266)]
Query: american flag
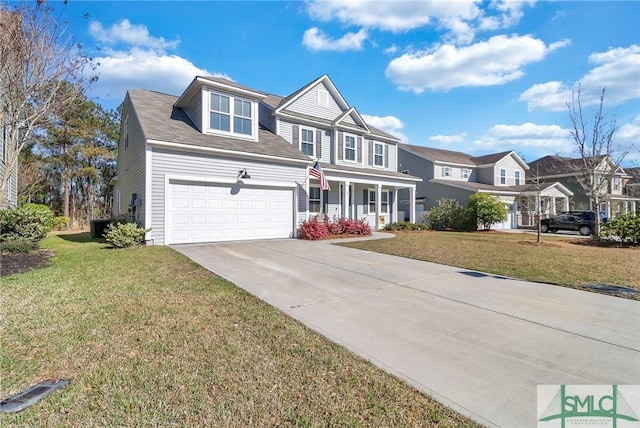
[(316, 171)]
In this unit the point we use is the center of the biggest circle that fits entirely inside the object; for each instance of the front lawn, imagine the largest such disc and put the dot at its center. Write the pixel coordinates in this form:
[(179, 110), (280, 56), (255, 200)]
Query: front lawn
[(148, 338), (566, 261)]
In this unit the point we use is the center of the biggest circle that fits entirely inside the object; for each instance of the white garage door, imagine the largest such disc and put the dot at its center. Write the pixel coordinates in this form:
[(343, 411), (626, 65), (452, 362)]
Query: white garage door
[(208, 213)]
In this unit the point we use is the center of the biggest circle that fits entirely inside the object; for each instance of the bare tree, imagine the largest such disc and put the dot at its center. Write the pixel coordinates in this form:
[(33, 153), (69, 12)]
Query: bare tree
[(37, 58), (599, 159)]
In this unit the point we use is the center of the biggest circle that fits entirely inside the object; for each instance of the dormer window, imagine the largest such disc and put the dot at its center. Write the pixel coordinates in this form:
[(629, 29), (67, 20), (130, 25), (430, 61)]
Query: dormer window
[(306, 141), (231, 115), (350, 148), (378, 155)]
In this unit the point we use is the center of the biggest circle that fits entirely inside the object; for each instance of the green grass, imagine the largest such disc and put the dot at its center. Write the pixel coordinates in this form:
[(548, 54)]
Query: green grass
[(566, 261), (148, 338)]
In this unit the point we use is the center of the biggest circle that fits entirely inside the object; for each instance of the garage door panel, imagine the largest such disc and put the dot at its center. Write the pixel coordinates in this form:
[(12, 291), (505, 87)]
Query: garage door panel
[(207, 213)]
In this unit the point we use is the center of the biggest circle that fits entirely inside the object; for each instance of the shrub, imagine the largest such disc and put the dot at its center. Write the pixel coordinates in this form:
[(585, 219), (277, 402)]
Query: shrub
[(123, 235), (449, 214), (404, 225), (625, 229), (30, 222), (18, 246), (487, 209), (314, 230), (60, 222)]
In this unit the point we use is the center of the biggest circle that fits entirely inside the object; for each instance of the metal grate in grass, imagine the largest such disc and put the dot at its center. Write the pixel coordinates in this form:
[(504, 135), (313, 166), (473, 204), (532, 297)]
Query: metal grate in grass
[(31, 395)]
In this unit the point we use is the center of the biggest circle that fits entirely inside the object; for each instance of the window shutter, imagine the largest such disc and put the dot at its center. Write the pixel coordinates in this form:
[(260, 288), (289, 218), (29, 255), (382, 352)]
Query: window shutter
[(296, 136), (340, 146), (318, 143), (325, 201), (365, 197), (303, 199), (359, 149), (386, 156), (370, 152)]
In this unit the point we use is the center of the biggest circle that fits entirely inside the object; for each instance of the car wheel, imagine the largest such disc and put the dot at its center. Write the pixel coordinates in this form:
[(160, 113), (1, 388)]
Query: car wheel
[(544, 228), (585, 231)]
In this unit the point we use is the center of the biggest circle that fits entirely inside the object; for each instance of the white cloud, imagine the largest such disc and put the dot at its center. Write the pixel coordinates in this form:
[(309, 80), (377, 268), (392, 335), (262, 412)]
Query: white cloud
[(617, 70), (139, 62), (628, 136), (527, 137), (389, 124), (496, 61), (446, 140), (316, 40), (391, 50), (132, 35), (458, 19)]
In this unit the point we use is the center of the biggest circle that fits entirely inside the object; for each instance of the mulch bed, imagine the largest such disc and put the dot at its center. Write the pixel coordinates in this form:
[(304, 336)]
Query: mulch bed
[(11, 263)]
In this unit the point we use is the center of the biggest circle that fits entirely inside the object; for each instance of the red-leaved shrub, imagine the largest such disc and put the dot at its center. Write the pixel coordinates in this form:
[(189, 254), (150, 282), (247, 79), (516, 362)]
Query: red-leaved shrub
[(314, 230)]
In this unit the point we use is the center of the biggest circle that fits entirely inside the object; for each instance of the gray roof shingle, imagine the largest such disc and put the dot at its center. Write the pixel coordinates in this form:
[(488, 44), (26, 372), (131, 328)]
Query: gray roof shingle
[(160, 120)]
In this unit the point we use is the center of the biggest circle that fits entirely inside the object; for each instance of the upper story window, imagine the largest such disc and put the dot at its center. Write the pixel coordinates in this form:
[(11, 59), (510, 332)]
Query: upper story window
[(503, 176), (446, 171), (517, 178), (378, 154), (617, 183), (350, 148), (465, 173), (224, 118), (307, 143)]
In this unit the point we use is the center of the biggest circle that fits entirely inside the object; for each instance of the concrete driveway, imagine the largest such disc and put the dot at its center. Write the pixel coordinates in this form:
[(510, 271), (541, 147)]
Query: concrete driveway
[(478, 343)]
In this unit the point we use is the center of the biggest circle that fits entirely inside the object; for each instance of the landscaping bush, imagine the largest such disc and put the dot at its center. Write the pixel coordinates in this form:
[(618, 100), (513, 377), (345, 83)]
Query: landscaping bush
[(123, 235), (449, 214), (30, 222), (487, 209), (60, 222), (314, 230), (625, 229), (18, 246), (404, 225)]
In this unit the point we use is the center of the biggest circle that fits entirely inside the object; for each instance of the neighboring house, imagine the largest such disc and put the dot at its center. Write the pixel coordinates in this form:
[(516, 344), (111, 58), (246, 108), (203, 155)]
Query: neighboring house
[(456, 175), (632, 185), (11, 188), (226, 162), (615, 199)]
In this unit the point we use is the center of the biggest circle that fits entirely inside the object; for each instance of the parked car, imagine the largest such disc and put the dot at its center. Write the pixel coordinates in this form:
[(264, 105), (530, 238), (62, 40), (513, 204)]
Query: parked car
[(581, 221)]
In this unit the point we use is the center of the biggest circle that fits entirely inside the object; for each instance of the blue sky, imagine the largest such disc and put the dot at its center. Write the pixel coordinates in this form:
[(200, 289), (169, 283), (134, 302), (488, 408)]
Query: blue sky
[(477, 77)]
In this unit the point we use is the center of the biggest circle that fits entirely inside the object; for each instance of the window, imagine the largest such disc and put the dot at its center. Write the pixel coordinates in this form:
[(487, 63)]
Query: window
[(384, 201), (222, 117), (503, 176), (314, 199), (446, 171), (466, 173), (306, 142), (378, 154), (350, 148), (517, 177), (125, 131), (617, 182)]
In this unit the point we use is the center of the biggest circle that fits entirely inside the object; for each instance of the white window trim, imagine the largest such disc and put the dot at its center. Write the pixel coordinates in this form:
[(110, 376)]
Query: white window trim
[(467, 171), (517, 178), (371, 192), (355, 148), (505, 177), (254, 116), (445, 169), (313, 186), (377, 144), (313, 143)]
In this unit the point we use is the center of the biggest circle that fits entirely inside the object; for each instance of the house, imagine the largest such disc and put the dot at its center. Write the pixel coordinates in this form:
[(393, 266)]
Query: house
[(11, 186), (457, 175), (224, 162), (632, 185), (569, 171)]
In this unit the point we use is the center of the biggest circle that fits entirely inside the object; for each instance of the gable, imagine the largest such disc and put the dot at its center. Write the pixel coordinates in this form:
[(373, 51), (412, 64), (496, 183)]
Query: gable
[(316, 101)]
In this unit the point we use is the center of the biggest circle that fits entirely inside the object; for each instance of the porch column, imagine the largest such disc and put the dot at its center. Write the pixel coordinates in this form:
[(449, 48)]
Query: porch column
[(608, 205), (566, 204), (378, 204), (347, 198), (633, 207), (552, 207), (412, 204), (394, 212)]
